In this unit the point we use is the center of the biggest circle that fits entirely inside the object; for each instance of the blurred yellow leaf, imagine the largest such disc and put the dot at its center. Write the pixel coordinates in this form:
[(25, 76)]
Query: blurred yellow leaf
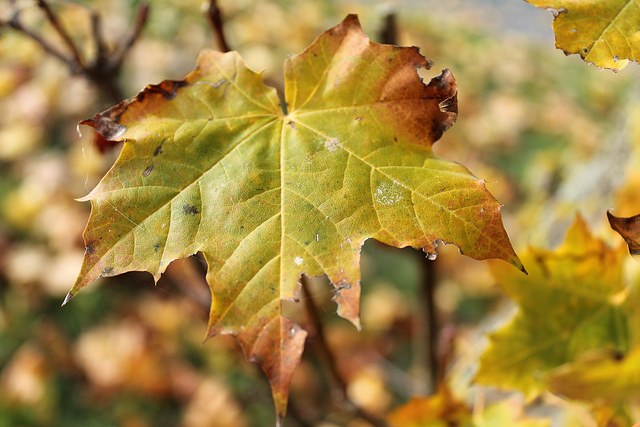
[(574, 300), (507, 414), (440, 410), (603, 32), (601, 376)]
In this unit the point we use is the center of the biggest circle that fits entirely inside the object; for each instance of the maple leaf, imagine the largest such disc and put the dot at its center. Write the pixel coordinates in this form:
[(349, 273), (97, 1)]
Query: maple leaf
[(629, 229), (213, 164), (603, 32), (573, 301)]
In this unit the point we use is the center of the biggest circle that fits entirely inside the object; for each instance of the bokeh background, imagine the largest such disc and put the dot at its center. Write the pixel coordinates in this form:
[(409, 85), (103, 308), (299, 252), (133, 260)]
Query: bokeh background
[(551, 135)]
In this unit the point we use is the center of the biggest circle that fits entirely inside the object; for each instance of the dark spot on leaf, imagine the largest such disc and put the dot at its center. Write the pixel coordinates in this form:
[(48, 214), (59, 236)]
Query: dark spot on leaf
[(147, 171), (190, 210), (156, 247), (158, 150), (90, 248), (107, 271), (395, 138), (292, 124), (618, 356)]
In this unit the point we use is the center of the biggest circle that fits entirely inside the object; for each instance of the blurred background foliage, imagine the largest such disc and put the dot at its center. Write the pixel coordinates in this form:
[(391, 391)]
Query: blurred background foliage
[(550, 135)]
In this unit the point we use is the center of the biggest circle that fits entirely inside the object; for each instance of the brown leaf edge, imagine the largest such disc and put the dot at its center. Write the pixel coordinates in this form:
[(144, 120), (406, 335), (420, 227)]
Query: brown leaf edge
[(107, 123), (629, 229)]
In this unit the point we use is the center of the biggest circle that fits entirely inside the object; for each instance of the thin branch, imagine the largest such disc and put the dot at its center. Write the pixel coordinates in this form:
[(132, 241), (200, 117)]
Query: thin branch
[(214, 15), (103, 70), (338, 385), (15, 23), (301, 417), (389, 32), (142, 14), (96, 34), (53, 19), (427, 330), (431, 328)]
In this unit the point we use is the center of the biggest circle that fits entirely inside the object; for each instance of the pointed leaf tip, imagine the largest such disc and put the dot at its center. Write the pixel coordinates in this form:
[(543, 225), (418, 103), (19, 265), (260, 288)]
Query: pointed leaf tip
[(67, 299), (629, 229)]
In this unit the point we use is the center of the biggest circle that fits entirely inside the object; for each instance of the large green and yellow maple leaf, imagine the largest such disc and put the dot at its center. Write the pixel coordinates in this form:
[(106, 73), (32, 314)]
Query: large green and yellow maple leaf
[(605, 33), (213, 164), (577, 324)]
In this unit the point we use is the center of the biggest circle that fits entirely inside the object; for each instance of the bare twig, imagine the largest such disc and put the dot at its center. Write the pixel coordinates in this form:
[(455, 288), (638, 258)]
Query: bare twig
[(426, 346), (301, 417), (338, 385), (103, 70), (53, 19), (389, 32), (96, 35), (15, 23), (214, 15), (430, 327), (142, 14)]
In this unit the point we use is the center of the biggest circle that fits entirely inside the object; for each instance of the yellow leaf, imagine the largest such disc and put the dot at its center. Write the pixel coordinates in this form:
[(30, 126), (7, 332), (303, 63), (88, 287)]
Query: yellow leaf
[(605, 33), (441, 410), (574, 300)]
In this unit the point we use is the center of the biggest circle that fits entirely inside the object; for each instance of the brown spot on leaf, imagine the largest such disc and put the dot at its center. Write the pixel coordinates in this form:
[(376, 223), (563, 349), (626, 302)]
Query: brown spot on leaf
[(90, 248), (190, 209), (147, 171)]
